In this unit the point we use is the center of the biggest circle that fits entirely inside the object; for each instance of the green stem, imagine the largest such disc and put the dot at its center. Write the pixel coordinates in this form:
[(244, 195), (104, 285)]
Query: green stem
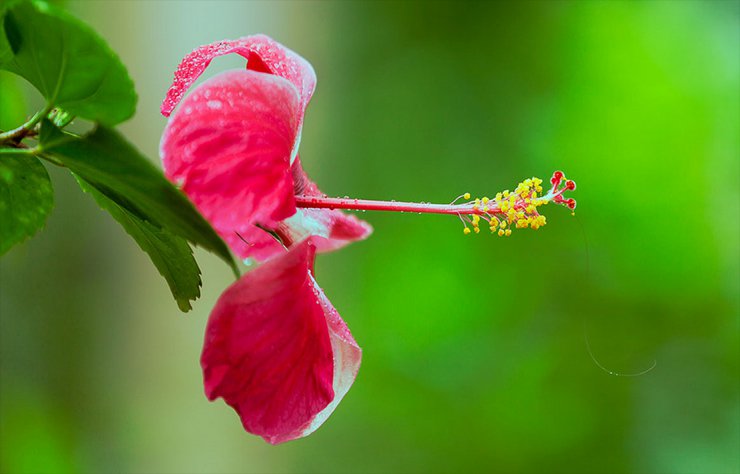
[(19, 133)]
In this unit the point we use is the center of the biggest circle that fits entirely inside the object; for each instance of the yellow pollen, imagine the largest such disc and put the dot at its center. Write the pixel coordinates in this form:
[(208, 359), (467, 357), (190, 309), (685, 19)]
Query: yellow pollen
[(511, 210)]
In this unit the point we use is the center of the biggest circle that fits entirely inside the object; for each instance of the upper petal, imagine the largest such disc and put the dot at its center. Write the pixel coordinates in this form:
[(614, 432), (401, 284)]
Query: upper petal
[(262, 53), (277, 351), (229, 146)]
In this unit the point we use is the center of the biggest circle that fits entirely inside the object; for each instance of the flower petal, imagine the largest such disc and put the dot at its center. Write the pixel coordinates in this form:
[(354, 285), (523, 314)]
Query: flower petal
[(228, 146), (277, 351), (332, 229), (262, 53)]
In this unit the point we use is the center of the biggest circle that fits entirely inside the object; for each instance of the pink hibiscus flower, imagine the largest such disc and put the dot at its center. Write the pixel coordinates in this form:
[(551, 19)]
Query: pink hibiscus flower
[(275, 349)]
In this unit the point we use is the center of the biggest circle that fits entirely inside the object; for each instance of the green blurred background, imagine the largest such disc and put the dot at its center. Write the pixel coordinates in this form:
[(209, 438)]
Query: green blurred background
[(475, 352)]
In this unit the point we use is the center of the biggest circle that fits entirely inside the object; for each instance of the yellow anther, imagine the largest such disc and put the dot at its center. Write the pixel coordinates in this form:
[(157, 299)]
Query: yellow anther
[(466, 231), (466, 196), (511, 210)]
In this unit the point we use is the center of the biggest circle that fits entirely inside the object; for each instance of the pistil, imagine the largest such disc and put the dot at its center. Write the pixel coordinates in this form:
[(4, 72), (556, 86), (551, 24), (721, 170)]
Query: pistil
[(506, 209)]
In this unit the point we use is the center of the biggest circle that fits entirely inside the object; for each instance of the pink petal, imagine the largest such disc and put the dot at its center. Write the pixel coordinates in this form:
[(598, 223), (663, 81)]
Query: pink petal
[(262, 53), (332, 229), (229, 146), (277, 351)]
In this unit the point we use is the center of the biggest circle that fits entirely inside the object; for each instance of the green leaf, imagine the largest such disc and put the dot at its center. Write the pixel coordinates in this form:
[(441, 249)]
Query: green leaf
[(172, 255), (26, 198), (13, 108), (107, 161), (66, 61)]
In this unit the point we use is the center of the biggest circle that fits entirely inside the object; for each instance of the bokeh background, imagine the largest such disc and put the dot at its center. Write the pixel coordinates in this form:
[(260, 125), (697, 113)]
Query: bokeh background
[(476, 349)]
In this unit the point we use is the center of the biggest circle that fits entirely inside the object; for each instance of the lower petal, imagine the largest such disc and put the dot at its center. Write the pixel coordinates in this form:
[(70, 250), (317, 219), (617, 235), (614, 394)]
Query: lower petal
[(277, 351)]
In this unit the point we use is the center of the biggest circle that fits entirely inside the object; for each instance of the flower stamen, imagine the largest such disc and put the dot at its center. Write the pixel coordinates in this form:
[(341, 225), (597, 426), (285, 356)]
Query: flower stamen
[(506, 211)]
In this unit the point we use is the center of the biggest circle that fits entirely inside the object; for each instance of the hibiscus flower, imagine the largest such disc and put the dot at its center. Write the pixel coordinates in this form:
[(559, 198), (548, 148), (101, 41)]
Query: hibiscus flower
[(275, 349)]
